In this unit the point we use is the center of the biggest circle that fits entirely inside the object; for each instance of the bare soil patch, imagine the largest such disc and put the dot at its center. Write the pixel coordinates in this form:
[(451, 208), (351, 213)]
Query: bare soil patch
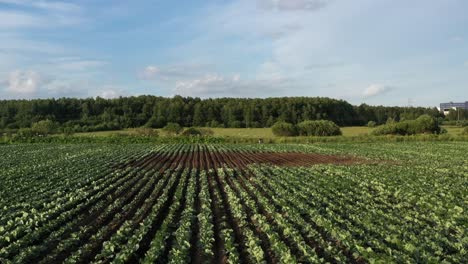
[(243, 159)]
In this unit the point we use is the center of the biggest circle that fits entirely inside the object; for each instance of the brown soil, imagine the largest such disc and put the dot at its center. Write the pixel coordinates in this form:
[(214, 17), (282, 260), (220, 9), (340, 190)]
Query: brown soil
[(244, 159)]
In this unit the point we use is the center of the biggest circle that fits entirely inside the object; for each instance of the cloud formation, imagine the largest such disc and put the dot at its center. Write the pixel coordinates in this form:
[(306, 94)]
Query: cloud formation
[(376, 90), (38, 14), (23, 82), (216, 85), (109, 94), (292, 5), (45, 5), (76, 63), (172, 72)]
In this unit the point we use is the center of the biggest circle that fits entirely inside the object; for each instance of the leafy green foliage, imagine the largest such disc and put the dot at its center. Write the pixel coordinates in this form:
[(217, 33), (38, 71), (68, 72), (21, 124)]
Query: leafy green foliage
[(318, 128), (191, 131), (159, 203), (173, 128), (284, 129), (424, 124), (371, 124), (98, 114), (44, 127)]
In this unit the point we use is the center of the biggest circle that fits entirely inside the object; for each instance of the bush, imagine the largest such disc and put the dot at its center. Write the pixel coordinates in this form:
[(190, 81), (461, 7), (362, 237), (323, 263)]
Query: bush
[(173, 128), (191, 132), (422, 125), (146, 132), (463, 123), (318, 128), (284, 129), (425, 124), (44, 127), (371, 124), (25, 133)]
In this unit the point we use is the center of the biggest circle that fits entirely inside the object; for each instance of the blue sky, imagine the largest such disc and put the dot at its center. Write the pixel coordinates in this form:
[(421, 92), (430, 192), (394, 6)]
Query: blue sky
[(364, 51)]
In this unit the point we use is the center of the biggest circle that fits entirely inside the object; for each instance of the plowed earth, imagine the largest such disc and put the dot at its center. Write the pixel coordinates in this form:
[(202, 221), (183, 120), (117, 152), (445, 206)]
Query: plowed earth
[(243, 159)]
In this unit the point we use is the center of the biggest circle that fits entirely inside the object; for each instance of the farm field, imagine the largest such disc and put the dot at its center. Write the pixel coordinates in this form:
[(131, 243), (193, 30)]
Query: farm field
[(318, 203), (264, 133)]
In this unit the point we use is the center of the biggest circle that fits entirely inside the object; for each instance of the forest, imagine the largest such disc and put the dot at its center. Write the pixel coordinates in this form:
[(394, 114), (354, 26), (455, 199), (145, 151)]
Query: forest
[(97, 114)]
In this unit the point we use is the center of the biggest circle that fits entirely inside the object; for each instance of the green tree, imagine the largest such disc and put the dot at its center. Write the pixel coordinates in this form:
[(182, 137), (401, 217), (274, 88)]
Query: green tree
[(318, 128), (44, 127), (284, 129), (173, 128)]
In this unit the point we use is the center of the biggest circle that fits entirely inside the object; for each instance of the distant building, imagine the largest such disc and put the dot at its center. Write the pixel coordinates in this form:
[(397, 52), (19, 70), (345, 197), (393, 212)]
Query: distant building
[(446, 107)]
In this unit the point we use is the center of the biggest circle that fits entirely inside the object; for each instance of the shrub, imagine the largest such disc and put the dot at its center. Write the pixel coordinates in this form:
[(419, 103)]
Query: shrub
[(463, 123), (173, 128), (25, 133), (44, 127), (191, 132), (318, 128), (284, 129), (146, 132), (371, 124), (423, 124)]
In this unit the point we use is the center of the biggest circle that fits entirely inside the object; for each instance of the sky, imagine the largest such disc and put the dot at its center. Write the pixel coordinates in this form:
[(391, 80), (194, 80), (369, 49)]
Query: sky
[(379, 52)]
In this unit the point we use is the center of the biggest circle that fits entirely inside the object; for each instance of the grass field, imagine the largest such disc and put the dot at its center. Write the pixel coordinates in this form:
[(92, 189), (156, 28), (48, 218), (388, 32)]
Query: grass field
[(264, 133), (237, 132), (159, 203)]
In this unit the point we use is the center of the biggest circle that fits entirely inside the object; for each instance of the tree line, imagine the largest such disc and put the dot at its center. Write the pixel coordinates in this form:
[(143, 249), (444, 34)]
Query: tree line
[(94, 114)]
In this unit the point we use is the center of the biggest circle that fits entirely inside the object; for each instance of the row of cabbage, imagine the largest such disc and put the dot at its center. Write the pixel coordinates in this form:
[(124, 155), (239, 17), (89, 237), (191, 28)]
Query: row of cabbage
[(72, 204)]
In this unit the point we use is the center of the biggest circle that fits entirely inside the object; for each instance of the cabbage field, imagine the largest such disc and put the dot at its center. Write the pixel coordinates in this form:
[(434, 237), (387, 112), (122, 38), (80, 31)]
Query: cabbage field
[(221, 203)]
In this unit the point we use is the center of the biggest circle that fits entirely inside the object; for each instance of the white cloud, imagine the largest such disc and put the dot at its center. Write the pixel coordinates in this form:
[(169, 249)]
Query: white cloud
[(466, 63), (23, 82), (45, 5), (14, 19), (292, 5), (204, 85), (150, 72), (375, 90), (172, 72), (110, 92), (214, 85), (51, 14), (15, 43), (76, 63)]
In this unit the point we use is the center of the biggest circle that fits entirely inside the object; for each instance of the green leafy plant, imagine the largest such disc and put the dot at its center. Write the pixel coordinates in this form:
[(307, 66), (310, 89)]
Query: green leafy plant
[(284, 129)]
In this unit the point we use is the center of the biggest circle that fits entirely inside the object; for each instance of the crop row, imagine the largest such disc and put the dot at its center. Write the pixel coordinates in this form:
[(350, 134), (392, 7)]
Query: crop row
[(231, 204)]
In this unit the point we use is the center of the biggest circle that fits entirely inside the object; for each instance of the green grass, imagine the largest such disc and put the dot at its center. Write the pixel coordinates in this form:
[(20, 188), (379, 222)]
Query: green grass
[(264, 133), (454, 130)]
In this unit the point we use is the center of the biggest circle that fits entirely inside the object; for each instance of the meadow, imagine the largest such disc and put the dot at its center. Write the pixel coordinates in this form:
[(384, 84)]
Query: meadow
[(225, 203), (264, 133)]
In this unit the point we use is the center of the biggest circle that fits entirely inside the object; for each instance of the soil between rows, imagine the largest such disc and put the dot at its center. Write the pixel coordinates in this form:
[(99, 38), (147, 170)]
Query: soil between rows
[(242, 160)]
